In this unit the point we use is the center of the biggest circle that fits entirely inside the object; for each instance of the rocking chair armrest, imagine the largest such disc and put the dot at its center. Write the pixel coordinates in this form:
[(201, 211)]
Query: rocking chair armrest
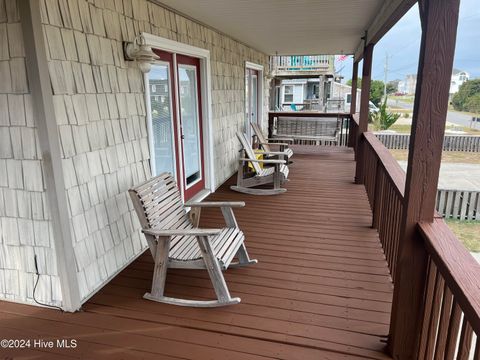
[(181, 232), (274, 143), (286, 139), (264, 161), (232, 204), (271, 152)]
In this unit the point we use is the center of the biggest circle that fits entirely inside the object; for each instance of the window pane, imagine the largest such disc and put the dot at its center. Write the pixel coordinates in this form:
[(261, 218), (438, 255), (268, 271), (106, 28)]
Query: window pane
[(161, 120), (190, 122)]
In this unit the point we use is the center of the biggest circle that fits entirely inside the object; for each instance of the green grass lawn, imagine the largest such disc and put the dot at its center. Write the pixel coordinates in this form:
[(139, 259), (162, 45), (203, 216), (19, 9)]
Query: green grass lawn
[(468, 232), (405, 129), (404, 98), (447, 156)]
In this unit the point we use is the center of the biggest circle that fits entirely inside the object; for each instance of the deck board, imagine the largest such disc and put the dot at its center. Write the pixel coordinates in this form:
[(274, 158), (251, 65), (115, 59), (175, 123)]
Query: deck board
[(321, 289)]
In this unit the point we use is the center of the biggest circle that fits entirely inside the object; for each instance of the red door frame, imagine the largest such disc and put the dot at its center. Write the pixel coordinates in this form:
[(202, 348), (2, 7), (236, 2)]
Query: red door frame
[(176, 118), (200, 185)]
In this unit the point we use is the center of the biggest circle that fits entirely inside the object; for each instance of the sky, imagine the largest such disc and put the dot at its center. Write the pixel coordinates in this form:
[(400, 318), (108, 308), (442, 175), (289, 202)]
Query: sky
[(401, 44)]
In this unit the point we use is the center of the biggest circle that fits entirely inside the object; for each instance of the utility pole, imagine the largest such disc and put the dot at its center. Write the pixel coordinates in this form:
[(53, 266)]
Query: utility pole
[(385, 76)]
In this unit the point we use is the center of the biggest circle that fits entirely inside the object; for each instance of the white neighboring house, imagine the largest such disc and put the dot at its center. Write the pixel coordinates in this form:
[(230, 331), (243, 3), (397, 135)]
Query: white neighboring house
[(293, 91), (340, 98), (304, 94), (458, 78), (408, 85)]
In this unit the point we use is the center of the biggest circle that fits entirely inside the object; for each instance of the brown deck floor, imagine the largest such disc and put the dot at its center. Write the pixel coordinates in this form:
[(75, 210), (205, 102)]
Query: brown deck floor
[(321, 289)]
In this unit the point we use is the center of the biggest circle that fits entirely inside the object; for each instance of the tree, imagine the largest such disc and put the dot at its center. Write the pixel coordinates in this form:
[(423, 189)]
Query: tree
[(359, 83), (376, 90), (467, 90), (383, 119), (473, 104), (392, 87)]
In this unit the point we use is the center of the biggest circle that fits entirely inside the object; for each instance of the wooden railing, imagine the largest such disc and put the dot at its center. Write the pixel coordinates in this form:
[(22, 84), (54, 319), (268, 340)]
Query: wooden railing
[(450, 323), (300, 63), (452, 297), (353, 132), (385, 184)]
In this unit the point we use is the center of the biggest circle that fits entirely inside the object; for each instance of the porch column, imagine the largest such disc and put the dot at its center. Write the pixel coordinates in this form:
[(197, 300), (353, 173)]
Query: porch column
[(364, 107), (439, 20), (40, 88), (353, 100)]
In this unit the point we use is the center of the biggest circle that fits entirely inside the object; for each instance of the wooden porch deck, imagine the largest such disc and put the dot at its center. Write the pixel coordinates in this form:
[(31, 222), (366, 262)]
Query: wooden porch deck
[(321, 289)]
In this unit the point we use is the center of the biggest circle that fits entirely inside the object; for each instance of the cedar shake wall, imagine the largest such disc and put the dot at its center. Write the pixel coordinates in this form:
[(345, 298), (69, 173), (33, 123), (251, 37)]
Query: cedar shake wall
[(25, 226), (101, 116)]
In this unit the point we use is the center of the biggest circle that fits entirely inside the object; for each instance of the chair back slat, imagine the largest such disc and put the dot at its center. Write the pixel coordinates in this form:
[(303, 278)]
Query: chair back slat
[(249, 151), (158, 203), (261, 138)]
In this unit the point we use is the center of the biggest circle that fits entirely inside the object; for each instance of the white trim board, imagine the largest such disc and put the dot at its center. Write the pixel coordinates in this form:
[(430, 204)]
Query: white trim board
[(206, 95), (260, 94)]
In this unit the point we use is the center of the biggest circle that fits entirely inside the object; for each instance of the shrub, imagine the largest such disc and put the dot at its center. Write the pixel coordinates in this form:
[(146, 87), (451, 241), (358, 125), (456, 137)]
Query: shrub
[(383, 119)]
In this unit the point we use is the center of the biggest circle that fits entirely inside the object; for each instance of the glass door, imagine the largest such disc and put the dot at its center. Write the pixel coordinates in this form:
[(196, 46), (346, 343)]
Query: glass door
[(188, 86), (161, 99), (251, 100)]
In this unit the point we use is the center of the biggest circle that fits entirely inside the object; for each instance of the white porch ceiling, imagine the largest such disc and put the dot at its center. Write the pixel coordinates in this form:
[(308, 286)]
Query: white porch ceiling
[(287, 26)]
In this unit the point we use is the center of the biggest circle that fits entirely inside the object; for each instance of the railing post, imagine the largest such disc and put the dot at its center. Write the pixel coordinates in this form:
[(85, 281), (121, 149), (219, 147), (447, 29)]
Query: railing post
[(353, 100), (271, 117), (364, 107), (439, 20)]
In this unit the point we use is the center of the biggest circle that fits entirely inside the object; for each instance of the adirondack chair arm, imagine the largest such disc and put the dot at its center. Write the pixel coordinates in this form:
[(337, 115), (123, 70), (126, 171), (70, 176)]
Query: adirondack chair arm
[(279, 144), (288, 140), (271, 152), (181, 232), (231, 204), (264, 161)]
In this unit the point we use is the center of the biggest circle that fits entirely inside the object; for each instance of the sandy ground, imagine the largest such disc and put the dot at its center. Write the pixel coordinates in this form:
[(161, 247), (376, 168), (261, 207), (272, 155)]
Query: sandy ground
[(457, 176)]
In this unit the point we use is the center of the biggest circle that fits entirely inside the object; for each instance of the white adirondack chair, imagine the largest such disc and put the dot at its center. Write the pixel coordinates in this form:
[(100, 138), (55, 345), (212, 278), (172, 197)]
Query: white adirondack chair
[(175, 242), (282, 144), (276, 174)]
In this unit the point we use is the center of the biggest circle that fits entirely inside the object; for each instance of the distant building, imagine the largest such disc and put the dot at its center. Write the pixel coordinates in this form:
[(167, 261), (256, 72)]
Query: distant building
[(458, 78), (409, 84), (322, 93)]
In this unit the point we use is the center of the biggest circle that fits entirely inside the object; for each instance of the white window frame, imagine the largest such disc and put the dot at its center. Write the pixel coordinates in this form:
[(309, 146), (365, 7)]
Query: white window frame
[(285, 93), (260, 97), (206, 96), (150, 121)]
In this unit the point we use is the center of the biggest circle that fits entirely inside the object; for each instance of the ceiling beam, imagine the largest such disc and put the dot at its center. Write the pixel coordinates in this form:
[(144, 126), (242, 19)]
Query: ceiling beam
[(387, 17)]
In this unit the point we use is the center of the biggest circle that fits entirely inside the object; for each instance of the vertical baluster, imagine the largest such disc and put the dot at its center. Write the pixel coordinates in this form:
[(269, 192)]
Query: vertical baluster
[(434, 316), (427, 311), (465, 341), (453, 328), (444, 323), (476, 355), (396, 215)]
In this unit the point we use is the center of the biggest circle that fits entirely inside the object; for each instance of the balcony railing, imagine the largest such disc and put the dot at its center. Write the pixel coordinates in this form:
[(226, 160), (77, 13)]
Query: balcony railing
[(309, 63), (450, 318)]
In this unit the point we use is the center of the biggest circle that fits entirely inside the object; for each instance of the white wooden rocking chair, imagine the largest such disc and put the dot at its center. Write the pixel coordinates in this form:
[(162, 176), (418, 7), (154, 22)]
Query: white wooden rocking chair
[(282, 144), (278, 174), (176, 242)]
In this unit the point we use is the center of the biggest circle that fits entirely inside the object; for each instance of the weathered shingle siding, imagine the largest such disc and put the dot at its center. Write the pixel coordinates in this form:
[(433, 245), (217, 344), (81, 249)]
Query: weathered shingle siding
[(25, 226), (101, 117), (100, 112)]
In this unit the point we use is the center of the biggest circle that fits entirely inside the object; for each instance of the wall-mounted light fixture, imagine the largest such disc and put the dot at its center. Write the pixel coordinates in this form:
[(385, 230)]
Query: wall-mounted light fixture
[(139, 51)]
